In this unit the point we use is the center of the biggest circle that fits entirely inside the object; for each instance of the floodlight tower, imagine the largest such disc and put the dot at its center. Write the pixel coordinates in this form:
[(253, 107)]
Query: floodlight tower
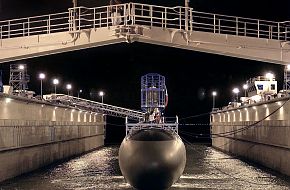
[(287, 78), (18, 78)]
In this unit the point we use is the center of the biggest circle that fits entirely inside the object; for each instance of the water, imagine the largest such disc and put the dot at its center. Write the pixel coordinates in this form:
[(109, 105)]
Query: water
[(206, 168)]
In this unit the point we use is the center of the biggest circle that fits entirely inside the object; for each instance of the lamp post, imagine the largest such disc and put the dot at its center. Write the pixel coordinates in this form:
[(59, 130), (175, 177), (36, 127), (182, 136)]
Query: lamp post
[(55, 82), (41, 77), (80, 91), (214, 93), (236, 91), (245, 87), (68, 87), (101, 93)]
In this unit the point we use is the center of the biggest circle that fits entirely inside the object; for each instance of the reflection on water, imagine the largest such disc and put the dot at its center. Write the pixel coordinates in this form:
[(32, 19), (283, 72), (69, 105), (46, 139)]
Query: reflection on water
[(206, 168)]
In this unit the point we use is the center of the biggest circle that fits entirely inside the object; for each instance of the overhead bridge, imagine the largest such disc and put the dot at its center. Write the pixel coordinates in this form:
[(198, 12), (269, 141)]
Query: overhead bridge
[(179, 27), (92, 106)]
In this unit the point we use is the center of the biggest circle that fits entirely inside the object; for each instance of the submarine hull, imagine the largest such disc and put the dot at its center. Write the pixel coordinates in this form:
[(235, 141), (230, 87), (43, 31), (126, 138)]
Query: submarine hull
[(152, 159)]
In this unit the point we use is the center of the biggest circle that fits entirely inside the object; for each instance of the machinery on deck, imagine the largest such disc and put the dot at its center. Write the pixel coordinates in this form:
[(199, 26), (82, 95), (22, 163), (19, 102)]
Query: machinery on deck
[(152, 155)]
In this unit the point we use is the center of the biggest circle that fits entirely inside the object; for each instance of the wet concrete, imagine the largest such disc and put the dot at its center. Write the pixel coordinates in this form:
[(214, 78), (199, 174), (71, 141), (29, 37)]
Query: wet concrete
[(206, 168)]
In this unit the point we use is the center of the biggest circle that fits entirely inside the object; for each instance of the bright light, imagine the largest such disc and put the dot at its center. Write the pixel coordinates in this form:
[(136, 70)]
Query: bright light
[(236, 90), (81, 91), (288, 67), (8, 100), (256, 98), (214, 93), (21, 67), (55, 81), (245, 86), (101, 93), (269, 76), (68, 86), (42, 76)]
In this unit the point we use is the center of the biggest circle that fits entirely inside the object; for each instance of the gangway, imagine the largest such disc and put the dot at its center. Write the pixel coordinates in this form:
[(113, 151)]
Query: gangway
[(88, 105), (179, 27)]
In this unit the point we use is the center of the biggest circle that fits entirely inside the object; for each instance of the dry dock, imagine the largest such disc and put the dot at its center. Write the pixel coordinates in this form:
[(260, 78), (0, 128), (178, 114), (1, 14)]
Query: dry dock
[(35, 133), (258, 132)]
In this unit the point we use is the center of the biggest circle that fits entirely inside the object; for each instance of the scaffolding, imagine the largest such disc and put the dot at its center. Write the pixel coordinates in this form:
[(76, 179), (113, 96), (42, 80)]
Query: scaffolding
[(286, 85), (19, 78)]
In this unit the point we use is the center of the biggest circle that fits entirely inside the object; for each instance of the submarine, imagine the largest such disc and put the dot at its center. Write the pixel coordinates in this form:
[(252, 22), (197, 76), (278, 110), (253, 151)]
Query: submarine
[(152, 156)]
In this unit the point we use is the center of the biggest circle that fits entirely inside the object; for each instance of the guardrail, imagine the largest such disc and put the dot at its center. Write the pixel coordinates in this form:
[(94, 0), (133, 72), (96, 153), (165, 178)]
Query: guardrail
[(168, 123), (182, 18)]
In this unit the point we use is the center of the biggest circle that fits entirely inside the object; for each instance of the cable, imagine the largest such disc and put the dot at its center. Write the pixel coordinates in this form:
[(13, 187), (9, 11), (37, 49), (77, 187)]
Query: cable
[(225, 134), (228, 133), (193, 116), (198, 136)]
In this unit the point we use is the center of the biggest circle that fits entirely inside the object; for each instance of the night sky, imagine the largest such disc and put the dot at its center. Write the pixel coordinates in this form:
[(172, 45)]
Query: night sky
[(116, 69)]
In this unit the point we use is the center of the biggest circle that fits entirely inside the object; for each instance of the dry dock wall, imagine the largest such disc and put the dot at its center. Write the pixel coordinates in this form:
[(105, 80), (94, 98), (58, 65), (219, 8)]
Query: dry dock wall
[(34, 134), (258, 132)]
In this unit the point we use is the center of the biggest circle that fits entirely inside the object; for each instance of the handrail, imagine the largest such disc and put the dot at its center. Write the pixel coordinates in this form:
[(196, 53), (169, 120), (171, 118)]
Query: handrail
[(79, 18)]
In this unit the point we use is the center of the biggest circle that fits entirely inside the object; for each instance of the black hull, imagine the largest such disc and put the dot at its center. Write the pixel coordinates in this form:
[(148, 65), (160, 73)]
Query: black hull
[(152, 159)]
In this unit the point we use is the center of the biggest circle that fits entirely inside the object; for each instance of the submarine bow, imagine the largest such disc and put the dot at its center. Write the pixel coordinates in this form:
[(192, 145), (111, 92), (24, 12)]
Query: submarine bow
[(152, 156)]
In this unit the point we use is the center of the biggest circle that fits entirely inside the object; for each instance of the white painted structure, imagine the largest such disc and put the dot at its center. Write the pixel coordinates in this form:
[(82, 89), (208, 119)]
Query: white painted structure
[(179, 27), (258, 132), (36, 133)]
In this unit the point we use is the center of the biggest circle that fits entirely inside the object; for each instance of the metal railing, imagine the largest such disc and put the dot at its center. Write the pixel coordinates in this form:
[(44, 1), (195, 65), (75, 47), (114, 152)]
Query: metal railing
[(93, 106), (29, 26), (169, 123), (182, 18)]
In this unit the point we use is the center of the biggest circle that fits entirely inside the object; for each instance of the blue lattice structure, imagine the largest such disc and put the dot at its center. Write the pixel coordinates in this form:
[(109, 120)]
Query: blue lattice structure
[(153, 92), (154, 99)]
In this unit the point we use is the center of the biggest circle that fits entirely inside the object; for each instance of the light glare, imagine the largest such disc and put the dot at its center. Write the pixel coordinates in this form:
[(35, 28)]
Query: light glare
[(55, 81), (68, 86), (236, 90), (42, 76), (101, 93)]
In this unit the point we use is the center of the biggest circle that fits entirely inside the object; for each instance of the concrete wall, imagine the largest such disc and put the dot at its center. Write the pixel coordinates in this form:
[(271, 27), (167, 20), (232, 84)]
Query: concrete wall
[(259, 133), (34, 134)]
